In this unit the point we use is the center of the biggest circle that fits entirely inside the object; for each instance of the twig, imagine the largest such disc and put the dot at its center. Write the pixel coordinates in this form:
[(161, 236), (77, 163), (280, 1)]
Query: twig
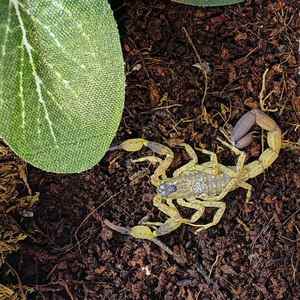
[(291, 216), (89, 215), (291, 145), (199, 65), (213, 265), (263, 89), (263, 231), (64, 284), (251, 52), (167, 106), (192, 44), (294, 267), (262, 98), (246, 228), (19, 281)]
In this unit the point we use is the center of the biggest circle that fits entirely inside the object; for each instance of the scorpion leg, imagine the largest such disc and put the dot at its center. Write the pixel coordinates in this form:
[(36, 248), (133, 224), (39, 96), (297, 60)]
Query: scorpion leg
[(151, 158), (160, 228), (194, 205), (164, 164), (200, 207), (248, 188), (168, 209), (213, 161), (174, 220), (194, 160), (241, 155), (191, 152), (221, 206), (133, 145), (239, 167)]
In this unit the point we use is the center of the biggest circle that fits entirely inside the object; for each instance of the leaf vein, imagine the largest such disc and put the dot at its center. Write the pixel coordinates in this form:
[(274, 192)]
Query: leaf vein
[(53, 36), (3, 51), (21, 90), (38, 81)]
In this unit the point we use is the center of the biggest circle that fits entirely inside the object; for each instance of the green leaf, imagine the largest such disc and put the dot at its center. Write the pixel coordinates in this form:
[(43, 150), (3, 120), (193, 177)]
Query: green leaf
[(62, 81), (208, 2)]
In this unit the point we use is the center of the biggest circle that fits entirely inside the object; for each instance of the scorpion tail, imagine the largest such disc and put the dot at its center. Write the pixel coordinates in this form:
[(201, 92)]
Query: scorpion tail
[(273, 138)]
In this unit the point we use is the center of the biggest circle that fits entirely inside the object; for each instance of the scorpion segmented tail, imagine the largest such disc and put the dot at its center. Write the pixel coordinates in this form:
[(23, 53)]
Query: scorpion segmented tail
[(273, 138)]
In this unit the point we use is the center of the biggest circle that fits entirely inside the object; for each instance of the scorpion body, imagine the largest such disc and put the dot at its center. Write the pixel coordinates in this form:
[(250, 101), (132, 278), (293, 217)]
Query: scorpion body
[(194, 184), (197, 186)]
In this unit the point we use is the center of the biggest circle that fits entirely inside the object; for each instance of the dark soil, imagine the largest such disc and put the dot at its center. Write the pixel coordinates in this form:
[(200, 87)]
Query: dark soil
[(253, 253)]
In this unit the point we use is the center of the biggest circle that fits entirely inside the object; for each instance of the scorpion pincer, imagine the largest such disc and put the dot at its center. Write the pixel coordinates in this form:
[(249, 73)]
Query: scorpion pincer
[(198, 186)]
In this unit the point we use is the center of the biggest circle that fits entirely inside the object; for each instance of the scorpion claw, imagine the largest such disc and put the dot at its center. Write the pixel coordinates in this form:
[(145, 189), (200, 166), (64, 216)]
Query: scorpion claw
[(240, 136), (244, 141), (130, 145), (133, 145), (239, 132), (113, 148), (142, 232)]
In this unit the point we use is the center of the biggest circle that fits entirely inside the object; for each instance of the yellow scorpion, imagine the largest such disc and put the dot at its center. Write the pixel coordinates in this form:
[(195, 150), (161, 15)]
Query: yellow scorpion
[(198, 186)]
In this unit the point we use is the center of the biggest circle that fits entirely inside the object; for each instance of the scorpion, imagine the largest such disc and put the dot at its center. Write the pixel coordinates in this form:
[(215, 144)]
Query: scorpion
[(197, 186)]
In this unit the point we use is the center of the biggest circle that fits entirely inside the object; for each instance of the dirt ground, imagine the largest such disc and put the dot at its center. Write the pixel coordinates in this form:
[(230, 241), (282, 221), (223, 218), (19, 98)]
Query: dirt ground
[(253, 253)]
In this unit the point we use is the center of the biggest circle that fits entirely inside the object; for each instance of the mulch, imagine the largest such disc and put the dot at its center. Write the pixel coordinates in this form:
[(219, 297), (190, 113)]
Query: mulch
[(253, 253)]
